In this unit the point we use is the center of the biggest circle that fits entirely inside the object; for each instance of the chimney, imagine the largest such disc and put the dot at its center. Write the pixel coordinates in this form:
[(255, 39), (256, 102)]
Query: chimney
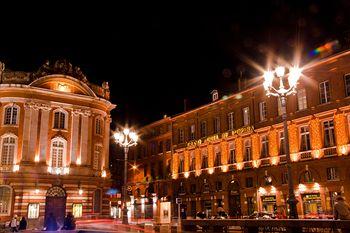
[(214, 95)]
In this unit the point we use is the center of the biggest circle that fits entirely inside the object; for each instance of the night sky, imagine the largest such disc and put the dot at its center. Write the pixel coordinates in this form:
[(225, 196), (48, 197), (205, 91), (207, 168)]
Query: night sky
[(155, 58)]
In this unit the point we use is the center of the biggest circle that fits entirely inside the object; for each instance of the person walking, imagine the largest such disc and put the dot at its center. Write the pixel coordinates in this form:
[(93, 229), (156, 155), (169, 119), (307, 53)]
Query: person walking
[(341, 209), (14, 224), (22, 224), (69, 222)]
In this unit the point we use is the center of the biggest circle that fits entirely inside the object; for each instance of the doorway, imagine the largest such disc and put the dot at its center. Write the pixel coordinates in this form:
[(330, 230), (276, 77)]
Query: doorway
[(234, 200), (56, 204)]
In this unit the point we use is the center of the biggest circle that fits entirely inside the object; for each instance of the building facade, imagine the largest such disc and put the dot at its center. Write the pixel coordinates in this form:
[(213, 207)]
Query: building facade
[(55, 130), (230, 152)]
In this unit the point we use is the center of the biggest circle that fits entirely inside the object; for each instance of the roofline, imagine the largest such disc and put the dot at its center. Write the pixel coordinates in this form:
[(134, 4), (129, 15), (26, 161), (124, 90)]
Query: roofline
[(158, 122), (326, 59)]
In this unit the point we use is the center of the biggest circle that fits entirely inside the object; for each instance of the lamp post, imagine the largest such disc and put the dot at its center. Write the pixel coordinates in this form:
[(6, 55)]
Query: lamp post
[(282, 92), (125, 139)]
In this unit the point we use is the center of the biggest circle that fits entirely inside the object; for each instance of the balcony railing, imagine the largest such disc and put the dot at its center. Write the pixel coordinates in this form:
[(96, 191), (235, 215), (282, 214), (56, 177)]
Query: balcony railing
[(330, 151), (305, 155)]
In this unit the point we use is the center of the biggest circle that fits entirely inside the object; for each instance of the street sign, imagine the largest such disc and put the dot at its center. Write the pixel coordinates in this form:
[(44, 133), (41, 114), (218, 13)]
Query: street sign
[(178, 200)]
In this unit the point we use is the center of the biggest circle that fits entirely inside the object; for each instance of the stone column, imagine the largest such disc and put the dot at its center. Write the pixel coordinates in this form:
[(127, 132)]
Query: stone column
[(74, 137), (26, 133), (84, 132), (44, 129), (34, 117)]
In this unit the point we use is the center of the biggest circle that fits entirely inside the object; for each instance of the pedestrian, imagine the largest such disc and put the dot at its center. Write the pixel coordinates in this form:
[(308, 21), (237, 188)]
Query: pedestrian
[(341, 209), (51, 223), (183, 214), (14, 224), (69, 222), (22, 224)]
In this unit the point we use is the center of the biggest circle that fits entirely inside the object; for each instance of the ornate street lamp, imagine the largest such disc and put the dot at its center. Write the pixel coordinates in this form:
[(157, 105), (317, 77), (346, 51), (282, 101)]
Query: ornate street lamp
[(125, 139), (282, 92)]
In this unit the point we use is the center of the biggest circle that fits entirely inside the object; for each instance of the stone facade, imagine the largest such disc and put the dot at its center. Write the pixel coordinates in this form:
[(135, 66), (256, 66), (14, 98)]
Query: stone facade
[(59, 124), (230, 152)]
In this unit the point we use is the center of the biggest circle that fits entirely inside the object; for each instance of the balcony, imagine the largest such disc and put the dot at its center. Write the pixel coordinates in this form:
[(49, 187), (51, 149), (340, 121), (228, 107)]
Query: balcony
[(305, 155), (248, 164), (265, 162), (330, 151)]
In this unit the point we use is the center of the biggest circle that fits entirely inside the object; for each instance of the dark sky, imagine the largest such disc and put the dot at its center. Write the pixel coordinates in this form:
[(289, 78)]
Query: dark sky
[(154, 58)]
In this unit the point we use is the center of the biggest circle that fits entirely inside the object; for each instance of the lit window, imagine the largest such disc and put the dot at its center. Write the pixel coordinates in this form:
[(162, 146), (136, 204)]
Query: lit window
[(33, 210), (262, 111), (8, 145), (5, 200), (302, 101), (97, 155), (230, 121), (281, 144), (192, 161), (332, 173), (60, 119), (216, 125), (181, 136), (247, 150), (329, 139), (246, 116), (181, 164), (98, 126), (217, 160), (264, 146), (347, 84), (325, 95), (203, 129), (204, 159), (77, 210), (11, 115), (192, 132), (58, 149), (304, 138), (97, 201), (232, 153)]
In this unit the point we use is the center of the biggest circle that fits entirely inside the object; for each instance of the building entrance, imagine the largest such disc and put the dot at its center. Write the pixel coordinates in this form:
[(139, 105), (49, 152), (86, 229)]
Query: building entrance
[(234, 200), (56, 204)]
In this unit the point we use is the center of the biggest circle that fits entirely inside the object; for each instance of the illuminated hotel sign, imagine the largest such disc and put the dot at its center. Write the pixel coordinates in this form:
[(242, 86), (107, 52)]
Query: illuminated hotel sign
[(245, 129)]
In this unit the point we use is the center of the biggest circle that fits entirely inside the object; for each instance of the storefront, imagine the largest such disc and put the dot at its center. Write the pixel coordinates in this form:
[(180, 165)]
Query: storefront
[(312, 206), (269, 203)]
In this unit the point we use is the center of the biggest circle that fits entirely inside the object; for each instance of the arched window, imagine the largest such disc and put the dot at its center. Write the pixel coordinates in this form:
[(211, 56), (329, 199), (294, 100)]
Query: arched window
[(5, 200), (11, 115), (97, 155), (58, 152), (60, 119), (98, 126), (8, 149), (97, 200)]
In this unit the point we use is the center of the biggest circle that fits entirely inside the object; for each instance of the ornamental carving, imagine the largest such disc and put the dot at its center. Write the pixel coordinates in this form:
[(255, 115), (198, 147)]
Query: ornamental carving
[(60, 67), (56, 191)]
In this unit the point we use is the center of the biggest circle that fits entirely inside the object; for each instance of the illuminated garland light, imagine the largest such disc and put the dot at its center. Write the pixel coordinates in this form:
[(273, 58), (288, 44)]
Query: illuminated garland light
[(274, 160), (262, 191), (36, 158), (294, 157), (37, 191), (224, 168), (79, 161), (186, 174), (104, 174), (175, 176), (317, 187), (198, 172), (273, 190), (256, 163), (343, 150), (15, 168), (210, 170), (316, 154), (240, 166), (302, 188)]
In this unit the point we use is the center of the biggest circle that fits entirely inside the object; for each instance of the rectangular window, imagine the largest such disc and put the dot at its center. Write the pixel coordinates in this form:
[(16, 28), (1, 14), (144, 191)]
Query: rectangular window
[(203, 129), (247, 150), (193, 188), (167, 145), (332, 173), (264, 146), (192, 161), (347, 84), (281, 145), (325, 95), (181, 136), (216, 125), (305, 138), (204, 159), (217, 161), (246, 116), (192, 132), (232, 153), (262, 111), (33, 210), (218, 186), (97, 154), (77, 210), (249, 182), (230, 121), (181, 165), (160, 147), (329, 139), (284, 178), (302, 101)]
